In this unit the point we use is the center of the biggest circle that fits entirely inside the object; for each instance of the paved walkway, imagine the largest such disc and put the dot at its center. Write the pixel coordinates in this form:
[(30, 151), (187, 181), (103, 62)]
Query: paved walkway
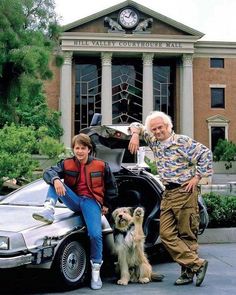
[(220, 183), (220, 277), (219, 280), (223, 178)]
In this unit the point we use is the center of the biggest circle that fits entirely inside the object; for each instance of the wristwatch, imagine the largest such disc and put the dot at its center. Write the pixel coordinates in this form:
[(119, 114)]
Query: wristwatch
[(128, 18)]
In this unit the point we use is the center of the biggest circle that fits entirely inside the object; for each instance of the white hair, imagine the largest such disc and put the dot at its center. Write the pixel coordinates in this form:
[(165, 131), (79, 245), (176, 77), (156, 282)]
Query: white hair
[(157, 114)]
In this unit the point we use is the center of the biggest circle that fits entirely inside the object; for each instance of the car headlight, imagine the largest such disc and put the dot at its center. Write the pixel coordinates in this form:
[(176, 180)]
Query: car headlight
[(4, 243)]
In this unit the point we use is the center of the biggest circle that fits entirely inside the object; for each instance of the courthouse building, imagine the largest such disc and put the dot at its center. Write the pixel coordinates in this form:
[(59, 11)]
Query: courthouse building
[(128, 60)]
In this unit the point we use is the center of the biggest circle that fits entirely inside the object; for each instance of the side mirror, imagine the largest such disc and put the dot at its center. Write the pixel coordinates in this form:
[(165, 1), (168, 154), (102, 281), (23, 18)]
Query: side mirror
[(96, 120)]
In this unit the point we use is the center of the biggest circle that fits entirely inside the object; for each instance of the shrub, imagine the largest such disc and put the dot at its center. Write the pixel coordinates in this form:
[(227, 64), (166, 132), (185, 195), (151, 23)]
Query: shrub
[(221, 210), (152, 165), (48, 145), (18, 143), (225, 151), (17, 139)]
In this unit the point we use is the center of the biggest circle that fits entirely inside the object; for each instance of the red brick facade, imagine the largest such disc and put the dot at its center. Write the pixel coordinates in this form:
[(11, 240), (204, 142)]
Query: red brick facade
[(204, 77)]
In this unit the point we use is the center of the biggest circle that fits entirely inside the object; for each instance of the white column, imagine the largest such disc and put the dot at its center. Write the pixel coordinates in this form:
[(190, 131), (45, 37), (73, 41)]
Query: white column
[(186, 97), (147, 84), (66, 98), (106, 88)]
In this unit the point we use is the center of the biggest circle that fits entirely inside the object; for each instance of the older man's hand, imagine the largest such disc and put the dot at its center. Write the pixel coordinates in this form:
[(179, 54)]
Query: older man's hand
[(134, 143), (191, 185)]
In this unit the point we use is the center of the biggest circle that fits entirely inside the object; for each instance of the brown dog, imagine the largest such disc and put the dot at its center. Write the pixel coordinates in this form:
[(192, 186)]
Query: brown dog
[(129, 246)]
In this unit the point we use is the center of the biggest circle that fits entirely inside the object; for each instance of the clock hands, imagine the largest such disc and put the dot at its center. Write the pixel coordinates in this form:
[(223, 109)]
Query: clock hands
[(129, 15)]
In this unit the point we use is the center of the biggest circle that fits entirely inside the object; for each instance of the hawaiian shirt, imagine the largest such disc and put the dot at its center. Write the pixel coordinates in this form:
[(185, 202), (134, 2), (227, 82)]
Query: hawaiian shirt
[(180, 158)]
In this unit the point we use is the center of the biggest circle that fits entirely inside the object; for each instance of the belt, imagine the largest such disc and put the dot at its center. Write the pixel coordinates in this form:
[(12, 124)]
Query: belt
[(172, 185)]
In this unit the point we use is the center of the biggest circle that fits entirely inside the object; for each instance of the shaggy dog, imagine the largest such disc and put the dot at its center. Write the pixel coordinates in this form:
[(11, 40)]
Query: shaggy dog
[(129, 246)]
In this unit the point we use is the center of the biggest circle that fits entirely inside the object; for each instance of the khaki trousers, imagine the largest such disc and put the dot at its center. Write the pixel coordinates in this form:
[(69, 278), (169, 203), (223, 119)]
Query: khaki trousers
[(179, 222)]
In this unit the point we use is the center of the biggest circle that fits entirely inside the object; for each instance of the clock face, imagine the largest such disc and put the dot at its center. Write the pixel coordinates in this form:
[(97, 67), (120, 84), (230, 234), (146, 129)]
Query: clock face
[(128, 18)]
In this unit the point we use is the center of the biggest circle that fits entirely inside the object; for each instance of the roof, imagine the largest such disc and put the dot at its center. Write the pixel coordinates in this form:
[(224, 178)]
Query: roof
[(139, 7)]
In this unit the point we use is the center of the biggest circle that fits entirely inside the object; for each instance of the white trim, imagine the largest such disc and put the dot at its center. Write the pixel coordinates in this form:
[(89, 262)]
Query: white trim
[(87, 42), (186, 98), (206, 49), (217, 86)]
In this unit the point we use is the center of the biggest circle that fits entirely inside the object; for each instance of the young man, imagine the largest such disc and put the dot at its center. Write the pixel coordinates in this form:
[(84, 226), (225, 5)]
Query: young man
[(88, 186), (181, 163)]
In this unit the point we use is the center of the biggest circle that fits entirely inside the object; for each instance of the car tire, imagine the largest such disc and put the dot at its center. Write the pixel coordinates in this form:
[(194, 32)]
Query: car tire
[(70, 265)]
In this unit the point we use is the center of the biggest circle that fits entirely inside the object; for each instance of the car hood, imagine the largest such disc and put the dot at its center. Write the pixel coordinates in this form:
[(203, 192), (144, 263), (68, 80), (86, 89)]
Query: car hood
[(26, 233), (19, 218)]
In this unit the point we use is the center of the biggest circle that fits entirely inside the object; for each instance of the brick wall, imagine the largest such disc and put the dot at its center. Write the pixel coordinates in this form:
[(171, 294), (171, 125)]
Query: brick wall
[(203, 77), (52, 88)]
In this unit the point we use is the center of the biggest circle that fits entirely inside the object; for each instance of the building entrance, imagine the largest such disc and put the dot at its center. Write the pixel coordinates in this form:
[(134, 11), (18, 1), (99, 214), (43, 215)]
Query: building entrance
[(127, 90)]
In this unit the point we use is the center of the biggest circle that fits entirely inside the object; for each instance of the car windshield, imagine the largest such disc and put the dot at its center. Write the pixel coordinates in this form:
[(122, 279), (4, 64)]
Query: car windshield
[(33, 194)]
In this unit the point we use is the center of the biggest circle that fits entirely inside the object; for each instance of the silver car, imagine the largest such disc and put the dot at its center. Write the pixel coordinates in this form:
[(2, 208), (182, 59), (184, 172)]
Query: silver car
[(62, 246)]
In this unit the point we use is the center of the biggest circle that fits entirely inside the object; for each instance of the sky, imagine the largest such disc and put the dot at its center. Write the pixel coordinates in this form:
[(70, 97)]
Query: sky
[(215, 18)]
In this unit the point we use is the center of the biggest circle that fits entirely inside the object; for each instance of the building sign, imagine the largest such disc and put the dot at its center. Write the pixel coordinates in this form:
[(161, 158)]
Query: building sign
[(83, 44), (125, 44)]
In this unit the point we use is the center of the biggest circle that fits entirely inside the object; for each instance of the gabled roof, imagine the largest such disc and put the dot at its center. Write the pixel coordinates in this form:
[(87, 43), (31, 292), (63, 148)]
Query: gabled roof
[(139, 7), (217, 119)]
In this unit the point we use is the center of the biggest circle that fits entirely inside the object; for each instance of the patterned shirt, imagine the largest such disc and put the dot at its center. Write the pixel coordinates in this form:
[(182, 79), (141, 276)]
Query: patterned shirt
[(179, 158)]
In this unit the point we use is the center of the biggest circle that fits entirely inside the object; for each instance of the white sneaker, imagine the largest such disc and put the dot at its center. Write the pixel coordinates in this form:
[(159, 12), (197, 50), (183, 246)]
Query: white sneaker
[(96, 282), (46, 215)]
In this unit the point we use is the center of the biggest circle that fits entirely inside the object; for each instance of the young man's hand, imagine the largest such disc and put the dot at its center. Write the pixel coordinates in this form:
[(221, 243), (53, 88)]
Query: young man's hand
[(59, 187), (104, 210)]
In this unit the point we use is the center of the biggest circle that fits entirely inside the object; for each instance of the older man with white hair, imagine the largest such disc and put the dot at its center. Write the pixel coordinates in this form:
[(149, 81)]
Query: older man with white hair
[(181, 163)]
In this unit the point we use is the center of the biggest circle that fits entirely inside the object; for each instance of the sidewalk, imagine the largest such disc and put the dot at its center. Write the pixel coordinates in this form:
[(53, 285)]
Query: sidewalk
[(218, 235), (223, 178), (220, 277), (224, 184)]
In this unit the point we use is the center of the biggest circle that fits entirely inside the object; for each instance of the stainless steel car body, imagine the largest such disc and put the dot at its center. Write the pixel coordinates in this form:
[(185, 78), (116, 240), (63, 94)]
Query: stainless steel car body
[(30, 242)]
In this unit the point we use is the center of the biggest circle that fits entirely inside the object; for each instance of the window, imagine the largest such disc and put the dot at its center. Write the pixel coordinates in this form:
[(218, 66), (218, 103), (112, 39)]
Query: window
[(216, 134), (127, 90), (87, 92), (217, 62), (163, 86), (218, 127), (217, 97)]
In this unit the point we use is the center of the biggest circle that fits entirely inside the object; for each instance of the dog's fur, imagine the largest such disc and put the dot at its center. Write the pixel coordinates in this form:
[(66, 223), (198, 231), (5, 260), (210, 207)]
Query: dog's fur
[(129, 245)]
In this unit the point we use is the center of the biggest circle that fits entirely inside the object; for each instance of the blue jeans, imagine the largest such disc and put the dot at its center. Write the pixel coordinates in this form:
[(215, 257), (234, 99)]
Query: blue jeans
[(91, 211)]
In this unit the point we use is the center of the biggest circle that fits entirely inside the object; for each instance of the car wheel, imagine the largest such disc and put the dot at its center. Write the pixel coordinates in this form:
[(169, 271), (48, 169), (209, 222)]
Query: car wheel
[(71, 264)]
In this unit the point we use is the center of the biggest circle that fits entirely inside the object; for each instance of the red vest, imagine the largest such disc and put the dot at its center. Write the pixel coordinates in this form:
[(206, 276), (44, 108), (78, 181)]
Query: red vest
[(94, 173)]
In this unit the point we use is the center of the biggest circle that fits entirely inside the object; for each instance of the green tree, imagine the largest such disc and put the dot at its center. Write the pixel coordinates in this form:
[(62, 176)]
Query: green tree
[(28, 37)]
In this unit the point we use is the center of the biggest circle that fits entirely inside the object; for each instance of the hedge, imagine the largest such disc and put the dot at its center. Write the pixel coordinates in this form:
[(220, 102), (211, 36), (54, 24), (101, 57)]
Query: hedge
[(221, 210)]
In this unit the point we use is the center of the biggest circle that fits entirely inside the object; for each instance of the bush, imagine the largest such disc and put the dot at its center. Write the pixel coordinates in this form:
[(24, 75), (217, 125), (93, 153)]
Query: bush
[(18, 143), (50, 147), (47, 145), (225, 151), (152, 165), (221, 210)]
